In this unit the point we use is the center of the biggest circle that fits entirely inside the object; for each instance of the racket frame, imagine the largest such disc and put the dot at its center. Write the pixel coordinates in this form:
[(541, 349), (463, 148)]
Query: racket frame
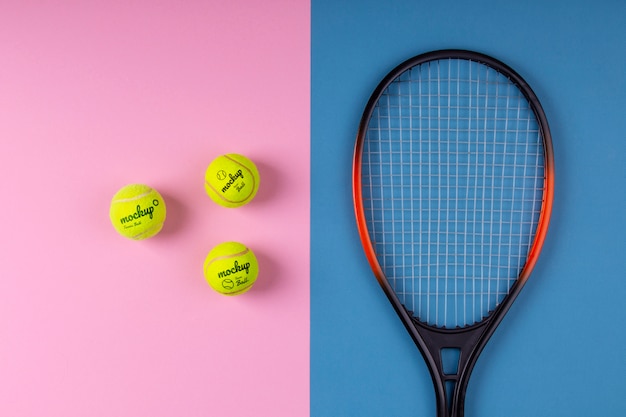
[(470, 340)]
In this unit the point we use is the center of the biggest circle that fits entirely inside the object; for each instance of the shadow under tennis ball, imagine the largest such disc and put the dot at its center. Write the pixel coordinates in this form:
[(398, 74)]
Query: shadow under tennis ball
[(177, 215), (269, 272), (270, 184)]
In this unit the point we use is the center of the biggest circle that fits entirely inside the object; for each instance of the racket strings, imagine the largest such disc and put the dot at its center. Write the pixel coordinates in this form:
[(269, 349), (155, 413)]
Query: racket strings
[(452, 180)]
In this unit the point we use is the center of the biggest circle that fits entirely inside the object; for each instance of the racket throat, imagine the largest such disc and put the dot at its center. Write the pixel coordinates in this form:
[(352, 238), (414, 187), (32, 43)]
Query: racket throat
[(451, 357), (450, 395)]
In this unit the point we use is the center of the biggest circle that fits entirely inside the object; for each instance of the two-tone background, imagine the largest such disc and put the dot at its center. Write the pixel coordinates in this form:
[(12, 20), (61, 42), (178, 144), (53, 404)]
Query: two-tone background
[(94, 95)]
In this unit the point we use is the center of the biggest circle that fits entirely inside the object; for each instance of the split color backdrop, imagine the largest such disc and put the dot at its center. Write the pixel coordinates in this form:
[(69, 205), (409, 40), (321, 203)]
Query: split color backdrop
[(97, 94)]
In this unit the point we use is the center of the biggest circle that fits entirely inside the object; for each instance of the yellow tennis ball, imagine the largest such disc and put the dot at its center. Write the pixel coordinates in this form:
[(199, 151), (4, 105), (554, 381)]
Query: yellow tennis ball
[(231, 268), (137, 211), (231, 180)]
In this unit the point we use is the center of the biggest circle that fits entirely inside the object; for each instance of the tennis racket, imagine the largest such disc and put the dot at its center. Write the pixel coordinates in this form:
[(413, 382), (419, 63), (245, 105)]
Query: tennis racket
[(453, 187)]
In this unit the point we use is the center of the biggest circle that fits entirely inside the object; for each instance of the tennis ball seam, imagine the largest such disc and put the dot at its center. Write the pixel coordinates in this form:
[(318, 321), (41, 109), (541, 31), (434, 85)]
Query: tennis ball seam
[(133, 198), (156, 228), (236, 292), (220, 258)]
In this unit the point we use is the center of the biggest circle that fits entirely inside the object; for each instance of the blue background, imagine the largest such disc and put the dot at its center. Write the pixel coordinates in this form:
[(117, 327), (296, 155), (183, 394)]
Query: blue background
[(561, 349)]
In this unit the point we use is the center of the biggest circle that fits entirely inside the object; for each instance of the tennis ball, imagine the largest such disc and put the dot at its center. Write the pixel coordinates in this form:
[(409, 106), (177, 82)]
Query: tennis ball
[(231, 268), (231, 180), (137, 211)]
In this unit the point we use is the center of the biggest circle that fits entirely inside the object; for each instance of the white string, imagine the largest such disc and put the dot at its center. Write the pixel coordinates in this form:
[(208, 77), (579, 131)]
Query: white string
[(447, 246)]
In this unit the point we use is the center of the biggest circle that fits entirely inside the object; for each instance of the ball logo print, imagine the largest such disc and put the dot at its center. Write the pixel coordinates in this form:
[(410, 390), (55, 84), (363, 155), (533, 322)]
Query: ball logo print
[(231, 180), (237, 272), (137, 215)]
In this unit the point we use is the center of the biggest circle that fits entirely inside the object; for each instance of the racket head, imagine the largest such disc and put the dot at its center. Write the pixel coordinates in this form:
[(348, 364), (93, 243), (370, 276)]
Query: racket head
[(464, 112)]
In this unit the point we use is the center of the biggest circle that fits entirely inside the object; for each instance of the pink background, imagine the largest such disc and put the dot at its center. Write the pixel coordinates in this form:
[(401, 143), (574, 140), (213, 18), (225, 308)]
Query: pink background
[(93, 97)]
